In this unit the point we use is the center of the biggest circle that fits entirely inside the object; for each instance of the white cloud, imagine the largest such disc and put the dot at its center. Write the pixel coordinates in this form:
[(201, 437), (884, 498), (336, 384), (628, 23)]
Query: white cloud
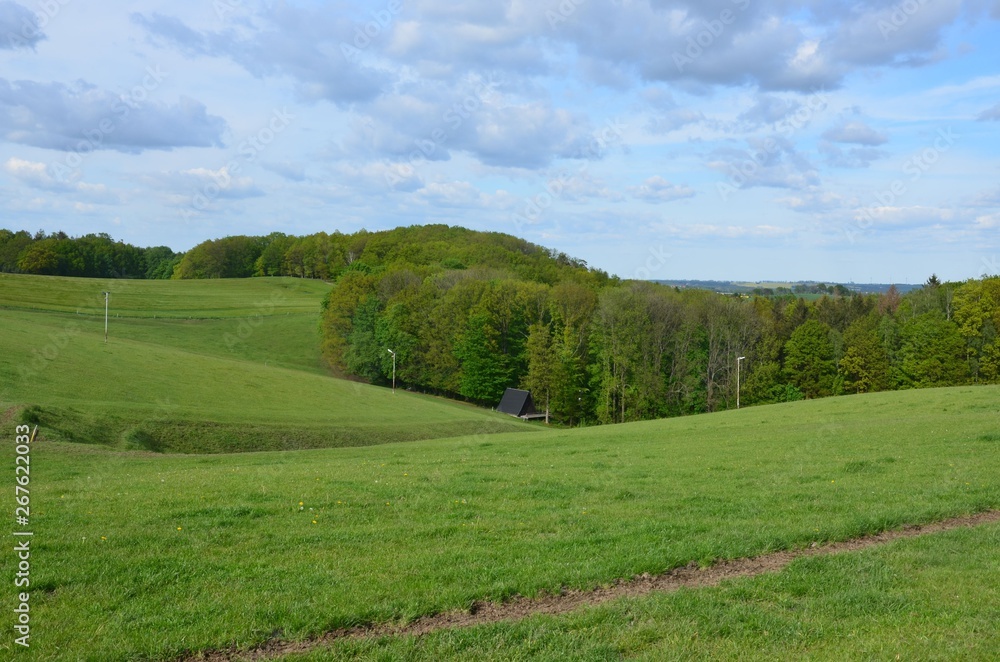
[(770, 162), (658, 189), (19, 27), (43, 178), (988, 221), (987, 198), (990, 114), (83, 118), (856, 132), (852, 157), (710, 230)]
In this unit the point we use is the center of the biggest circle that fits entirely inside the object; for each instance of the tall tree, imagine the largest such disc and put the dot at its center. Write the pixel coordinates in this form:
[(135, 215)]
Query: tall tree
[(809, 359), (865, 364), (542, 377), (486, 371), (932, 352)]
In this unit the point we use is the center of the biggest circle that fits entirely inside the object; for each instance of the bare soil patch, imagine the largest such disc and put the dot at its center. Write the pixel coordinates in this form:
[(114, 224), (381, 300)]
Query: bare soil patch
[(690, 576)]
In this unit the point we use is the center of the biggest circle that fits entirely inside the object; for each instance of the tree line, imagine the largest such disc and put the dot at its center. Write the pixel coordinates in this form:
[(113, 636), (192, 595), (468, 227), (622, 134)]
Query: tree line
[(594, 349), (320, 255), (89, 256)]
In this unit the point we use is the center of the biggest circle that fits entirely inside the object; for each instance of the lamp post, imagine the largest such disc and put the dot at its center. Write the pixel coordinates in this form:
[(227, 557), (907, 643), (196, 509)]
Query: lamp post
[(106, 295), (393, 370), (738, 359)]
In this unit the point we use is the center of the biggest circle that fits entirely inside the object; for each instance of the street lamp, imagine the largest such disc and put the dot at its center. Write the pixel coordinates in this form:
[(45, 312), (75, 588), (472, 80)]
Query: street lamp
[(738, 359), (106, 295), (393, 370)]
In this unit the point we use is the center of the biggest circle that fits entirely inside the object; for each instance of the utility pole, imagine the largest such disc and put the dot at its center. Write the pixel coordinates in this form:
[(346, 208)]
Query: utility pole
[(393, 370), (738, 359), (106, 295)]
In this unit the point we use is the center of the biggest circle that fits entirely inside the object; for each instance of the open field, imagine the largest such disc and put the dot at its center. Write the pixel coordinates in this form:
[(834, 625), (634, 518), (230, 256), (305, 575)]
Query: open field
[(272, 320), (232, 297), (166, 554), (934, 597), (205, 384), (154, 555)]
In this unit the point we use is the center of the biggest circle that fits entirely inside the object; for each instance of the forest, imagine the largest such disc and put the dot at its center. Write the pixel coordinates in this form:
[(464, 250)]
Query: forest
[(89, 256), (594, 349), (469, 314)]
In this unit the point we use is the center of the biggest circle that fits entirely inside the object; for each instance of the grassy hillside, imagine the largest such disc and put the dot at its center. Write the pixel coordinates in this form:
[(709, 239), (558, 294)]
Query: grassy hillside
[(929, 598), (149, 556), (153, 555), (272, 320), (236, 297), (216, 366)]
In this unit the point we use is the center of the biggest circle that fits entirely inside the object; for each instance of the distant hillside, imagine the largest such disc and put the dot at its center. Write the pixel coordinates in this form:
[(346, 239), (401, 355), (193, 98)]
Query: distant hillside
[(790, 287), (197, 367)]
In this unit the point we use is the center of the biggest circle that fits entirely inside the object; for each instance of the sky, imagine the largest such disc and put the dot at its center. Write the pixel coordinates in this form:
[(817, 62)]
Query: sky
[(749, 140)]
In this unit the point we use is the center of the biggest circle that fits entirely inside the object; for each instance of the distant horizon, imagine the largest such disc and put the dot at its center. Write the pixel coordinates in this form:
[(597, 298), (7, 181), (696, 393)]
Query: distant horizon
[(763, 281)]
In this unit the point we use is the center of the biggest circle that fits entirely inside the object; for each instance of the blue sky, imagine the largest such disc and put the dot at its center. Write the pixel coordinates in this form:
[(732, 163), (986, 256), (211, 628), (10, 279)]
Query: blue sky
[(725, 139)]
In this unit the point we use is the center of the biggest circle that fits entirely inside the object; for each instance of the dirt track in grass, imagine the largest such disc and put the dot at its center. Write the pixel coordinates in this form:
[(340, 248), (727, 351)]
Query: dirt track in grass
[(690, 576)]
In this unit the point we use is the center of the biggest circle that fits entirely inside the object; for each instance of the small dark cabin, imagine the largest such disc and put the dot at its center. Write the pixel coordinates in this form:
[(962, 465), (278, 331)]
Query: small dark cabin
[(518, 403)]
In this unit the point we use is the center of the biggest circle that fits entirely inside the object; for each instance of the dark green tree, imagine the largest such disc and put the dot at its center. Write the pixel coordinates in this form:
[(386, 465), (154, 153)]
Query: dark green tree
[(932, 352), (486, 372), (865, 364), (542, 378), (809, 359)]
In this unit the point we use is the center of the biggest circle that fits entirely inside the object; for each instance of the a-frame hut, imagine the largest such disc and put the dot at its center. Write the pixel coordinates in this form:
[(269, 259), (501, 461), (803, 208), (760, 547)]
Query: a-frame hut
[(518, 403)]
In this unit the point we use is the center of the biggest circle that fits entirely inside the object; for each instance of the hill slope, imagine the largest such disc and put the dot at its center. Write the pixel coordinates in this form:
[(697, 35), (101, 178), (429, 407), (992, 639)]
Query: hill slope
[(149, 556), (198, 366)]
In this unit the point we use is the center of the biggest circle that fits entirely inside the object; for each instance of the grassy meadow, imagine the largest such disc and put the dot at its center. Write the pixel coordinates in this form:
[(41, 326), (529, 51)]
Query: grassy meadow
[(163, 554), (154, 555), (932, 598), (233, 374)]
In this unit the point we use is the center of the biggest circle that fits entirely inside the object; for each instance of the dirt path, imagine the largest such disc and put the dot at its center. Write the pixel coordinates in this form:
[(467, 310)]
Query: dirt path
[(690, 576)]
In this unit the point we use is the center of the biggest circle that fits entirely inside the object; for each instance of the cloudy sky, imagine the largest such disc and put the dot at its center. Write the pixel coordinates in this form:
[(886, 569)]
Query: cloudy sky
[(724, 139)]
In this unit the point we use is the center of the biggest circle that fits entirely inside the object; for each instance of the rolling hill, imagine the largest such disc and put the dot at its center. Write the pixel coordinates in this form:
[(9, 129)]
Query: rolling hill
[(198, 366)]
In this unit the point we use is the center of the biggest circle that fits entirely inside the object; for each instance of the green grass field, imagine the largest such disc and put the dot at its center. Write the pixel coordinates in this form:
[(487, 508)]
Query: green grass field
[(936, 598), (141, 555), (236, 373), (162, 554), (195, 299)]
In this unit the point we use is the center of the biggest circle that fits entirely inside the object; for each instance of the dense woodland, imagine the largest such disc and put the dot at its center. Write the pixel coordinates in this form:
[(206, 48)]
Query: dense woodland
[(471, 313), (596, 349), (90, 256)]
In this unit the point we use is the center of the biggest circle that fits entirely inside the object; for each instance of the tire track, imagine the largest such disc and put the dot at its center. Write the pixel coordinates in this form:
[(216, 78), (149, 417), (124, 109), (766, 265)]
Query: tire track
[(690, 576)]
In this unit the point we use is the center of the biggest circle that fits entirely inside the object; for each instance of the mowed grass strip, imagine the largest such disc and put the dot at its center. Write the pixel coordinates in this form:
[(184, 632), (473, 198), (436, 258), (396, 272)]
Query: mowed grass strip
[(140, 394), (272, 321), (155, 556), (231, 297), (284, 340), (935, 597)]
